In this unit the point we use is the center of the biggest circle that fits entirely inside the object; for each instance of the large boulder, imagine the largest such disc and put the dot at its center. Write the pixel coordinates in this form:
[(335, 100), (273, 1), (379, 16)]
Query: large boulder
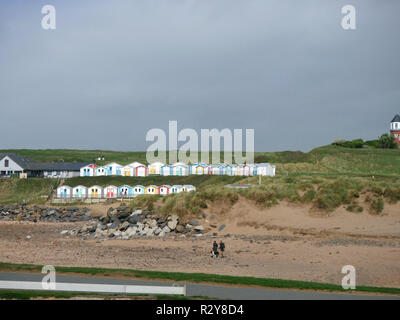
[(124, 225), (135, 218), (172, 224)]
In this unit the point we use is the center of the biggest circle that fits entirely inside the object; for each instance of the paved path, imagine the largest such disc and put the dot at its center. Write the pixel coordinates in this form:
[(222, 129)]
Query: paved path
[(215, 291)]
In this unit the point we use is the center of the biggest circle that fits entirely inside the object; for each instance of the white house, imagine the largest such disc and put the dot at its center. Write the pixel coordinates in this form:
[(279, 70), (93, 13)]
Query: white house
[(155, 167), (64, 192), (79, 192), (95, 192), (12, 164), (110, 192)]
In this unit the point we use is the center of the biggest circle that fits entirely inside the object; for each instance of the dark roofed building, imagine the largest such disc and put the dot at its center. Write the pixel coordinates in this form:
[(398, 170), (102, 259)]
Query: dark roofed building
[(15, 164)]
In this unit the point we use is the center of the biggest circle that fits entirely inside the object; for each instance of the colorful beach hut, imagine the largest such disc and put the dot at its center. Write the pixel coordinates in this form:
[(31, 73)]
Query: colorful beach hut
[(79, 192), (64, 192)]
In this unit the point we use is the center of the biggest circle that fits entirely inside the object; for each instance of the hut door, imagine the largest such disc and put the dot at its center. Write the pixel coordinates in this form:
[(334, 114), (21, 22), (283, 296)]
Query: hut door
[(110, 193)]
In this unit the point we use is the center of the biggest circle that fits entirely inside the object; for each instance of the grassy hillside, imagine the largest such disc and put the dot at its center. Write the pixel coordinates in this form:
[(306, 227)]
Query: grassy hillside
[(329, 159), (197, 181), (326, 177), (25, 190)]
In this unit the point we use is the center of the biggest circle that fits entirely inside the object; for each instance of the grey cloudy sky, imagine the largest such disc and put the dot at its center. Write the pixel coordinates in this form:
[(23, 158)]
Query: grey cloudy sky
[(112, 70)]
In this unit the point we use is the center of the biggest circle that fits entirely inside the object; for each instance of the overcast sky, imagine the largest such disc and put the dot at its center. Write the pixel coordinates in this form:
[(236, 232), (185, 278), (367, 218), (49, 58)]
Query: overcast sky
[(112, 70)]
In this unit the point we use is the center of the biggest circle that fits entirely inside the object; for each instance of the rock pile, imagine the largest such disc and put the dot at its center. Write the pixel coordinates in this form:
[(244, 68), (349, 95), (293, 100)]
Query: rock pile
[(44, 213), (125, 223)]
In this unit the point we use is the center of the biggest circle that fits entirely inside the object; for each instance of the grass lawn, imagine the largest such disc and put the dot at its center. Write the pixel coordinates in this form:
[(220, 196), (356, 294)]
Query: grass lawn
[(202, 277)]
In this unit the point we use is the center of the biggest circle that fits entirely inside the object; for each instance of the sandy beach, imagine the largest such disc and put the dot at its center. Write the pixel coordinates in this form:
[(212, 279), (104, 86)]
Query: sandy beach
[(285, 241)]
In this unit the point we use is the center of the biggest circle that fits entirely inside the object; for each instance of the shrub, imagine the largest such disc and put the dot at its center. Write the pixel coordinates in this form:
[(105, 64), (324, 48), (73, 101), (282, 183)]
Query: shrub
[(376, 205), (309, 196), (393, 194), (387, 142)]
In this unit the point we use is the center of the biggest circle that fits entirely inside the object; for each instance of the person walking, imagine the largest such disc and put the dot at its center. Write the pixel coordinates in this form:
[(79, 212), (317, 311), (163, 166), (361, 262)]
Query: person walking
[(215, 249), (222, 248)]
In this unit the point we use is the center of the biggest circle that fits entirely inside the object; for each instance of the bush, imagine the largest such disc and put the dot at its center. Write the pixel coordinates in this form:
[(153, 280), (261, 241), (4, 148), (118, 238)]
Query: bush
[(309, 196), (387, 142), (376, 205), (357, 143), (392, 194)]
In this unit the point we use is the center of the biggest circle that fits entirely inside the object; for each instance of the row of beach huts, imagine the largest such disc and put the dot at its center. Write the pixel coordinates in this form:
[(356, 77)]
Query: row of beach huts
[(137, 169), (125, 191)]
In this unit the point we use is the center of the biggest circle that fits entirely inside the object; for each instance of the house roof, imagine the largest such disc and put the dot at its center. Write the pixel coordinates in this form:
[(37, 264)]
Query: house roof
[(396, 118), (33, 165), (25, 163), (61, 166)]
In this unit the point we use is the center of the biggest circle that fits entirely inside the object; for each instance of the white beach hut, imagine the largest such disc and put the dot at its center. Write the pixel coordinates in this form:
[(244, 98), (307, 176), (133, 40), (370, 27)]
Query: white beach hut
[(180, 169), (176, 188), (79, 192), (166, 170), (138, 190), (199, 168), (100, 171), (64, 192), (128, 171), (265, 169), (125, 191), (151, 189), (110, 192), (113, 169), (188, 188), (164, 190), (88, 171), (155, 167), (95, 192)]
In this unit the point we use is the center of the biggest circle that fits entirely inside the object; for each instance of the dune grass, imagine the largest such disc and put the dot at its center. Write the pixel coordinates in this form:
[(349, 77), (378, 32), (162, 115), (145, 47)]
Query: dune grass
[(33, 190)]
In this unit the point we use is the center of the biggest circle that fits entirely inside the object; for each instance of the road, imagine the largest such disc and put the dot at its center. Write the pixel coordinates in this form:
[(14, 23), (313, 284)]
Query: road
[(214, 291)]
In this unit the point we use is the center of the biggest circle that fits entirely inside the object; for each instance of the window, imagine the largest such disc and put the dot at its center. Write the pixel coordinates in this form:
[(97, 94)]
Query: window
[(6, 163)]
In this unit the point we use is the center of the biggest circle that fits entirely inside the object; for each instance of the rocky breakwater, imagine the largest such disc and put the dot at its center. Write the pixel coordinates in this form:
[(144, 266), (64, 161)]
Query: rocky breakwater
[(125, 223), (38, 213)]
